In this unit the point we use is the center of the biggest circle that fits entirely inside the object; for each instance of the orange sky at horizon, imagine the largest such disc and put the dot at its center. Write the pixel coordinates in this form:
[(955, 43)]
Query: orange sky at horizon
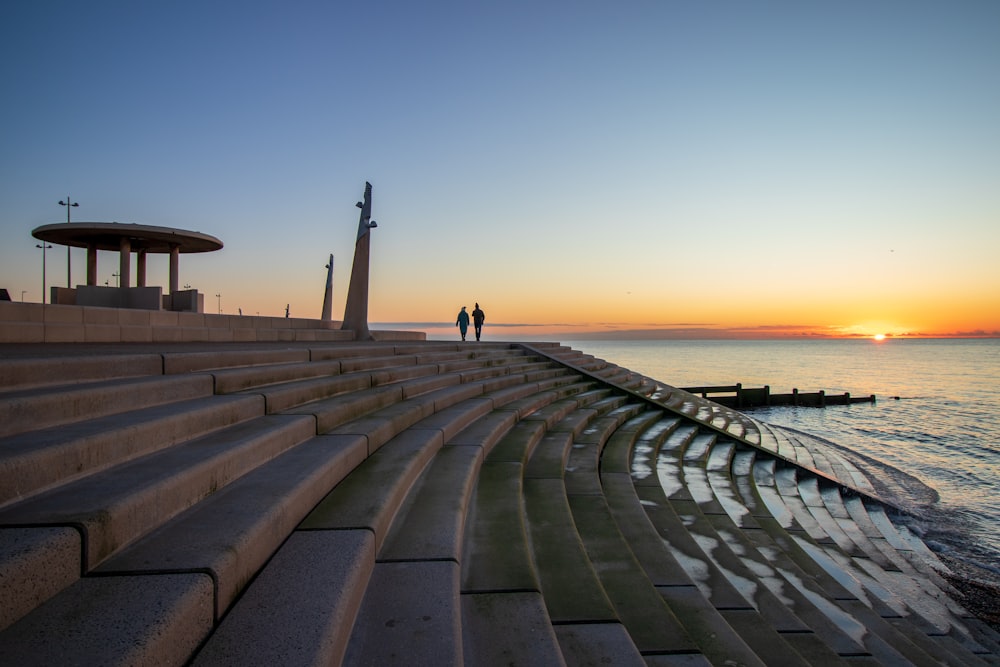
[(830, 312)]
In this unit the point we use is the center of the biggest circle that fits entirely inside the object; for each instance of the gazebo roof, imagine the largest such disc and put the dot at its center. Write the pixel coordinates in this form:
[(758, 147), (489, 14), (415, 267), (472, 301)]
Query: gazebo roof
[(108, 236)]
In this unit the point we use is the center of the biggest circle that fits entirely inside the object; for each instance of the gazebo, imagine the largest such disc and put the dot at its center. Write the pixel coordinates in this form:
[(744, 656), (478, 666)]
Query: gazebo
[(126, 239)]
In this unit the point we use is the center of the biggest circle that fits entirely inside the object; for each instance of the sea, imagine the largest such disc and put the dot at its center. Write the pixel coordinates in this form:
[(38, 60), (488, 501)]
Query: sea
[(936, 414)]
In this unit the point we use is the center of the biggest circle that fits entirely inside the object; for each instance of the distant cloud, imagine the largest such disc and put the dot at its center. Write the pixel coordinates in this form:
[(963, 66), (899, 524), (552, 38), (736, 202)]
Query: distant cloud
[(686, 331)]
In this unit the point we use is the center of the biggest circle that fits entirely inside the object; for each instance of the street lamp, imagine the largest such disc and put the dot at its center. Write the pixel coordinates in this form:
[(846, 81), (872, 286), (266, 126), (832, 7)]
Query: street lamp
[(22, 295), (115, 276), (69, 277), (44, 247), (219, 297)]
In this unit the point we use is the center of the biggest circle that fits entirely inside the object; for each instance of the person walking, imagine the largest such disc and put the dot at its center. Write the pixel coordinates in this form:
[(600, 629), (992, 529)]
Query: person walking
[(478, 317), (462, 322)]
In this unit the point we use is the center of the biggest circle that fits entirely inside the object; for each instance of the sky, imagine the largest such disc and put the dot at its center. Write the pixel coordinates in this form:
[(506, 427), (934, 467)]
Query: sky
[(638, 168)]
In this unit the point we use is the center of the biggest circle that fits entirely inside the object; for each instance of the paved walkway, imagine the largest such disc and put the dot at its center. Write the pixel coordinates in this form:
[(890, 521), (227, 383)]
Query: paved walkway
[(435, 503)]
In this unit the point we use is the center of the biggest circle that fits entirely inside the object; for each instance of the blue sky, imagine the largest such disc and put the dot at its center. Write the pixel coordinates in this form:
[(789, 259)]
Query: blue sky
[(594, 164)]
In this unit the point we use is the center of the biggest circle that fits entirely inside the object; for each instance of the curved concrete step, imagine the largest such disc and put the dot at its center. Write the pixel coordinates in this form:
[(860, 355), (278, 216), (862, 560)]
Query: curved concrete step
[(412, 512), (467, 504)]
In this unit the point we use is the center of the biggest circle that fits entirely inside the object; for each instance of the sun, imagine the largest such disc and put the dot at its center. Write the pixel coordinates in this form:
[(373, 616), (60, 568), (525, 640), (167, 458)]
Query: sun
[(879, 337)]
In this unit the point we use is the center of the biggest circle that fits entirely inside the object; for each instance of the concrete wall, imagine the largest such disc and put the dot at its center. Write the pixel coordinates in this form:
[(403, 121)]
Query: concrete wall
[(37, 323), (145, 298)]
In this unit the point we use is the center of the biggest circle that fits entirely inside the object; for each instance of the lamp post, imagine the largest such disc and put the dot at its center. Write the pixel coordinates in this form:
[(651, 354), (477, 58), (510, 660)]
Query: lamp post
[(69, 266), (22, 295), (219, 297), (44, 247), (115, 276)]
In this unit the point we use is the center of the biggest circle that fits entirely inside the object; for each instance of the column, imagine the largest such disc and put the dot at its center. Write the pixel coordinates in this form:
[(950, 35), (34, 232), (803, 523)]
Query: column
[(140, 268), (91, 264), (175, 254), (124, 261)]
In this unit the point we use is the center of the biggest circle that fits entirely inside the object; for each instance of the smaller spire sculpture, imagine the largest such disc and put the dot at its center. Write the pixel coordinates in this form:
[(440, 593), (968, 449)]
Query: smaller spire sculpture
[(328, 294)]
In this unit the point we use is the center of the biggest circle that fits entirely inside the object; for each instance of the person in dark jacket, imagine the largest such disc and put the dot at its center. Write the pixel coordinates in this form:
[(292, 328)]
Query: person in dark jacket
[(478, 317), (462, 322)]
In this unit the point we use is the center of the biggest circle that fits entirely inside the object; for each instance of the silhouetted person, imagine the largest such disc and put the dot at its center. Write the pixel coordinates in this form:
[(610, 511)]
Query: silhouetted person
[(478, 317), (286, 310), (462, 322)]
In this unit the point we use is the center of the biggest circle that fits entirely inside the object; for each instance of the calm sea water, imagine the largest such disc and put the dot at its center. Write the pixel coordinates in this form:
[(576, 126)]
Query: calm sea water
[(944, 428)]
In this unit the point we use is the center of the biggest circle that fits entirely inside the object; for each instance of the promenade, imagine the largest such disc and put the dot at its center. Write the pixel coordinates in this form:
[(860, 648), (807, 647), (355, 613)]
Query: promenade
[(300, 498)]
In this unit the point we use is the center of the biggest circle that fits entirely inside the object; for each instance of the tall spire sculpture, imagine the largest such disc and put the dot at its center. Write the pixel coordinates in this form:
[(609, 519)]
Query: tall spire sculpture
[(356, 311), (328, 294)]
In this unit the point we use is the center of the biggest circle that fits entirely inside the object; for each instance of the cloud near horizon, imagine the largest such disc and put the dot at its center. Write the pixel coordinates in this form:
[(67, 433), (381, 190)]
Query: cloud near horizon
[(676, 332)]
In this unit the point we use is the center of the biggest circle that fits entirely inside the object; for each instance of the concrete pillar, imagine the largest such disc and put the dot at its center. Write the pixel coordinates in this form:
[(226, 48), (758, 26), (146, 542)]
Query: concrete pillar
[(175, 254), (140, 268), (124, 262), (91, 264)]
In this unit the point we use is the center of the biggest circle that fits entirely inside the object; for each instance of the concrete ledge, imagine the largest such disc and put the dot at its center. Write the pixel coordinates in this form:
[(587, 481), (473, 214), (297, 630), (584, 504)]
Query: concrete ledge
[(19, 323)]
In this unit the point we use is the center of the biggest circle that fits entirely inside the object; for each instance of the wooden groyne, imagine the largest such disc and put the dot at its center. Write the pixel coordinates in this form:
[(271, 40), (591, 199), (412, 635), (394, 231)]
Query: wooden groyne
[(743, 398)]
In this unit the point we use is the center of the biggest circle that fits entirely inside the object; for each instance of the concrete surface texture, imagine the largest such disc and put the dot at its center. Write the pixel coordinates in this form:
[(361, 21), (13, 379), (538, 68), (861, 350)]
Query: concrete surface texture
[(309, 501)]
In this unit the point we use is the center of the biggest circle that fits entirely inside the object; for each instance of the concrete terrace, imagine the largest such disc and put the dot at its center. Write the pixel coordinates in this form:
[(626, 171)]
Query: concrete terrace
[(305, 500)]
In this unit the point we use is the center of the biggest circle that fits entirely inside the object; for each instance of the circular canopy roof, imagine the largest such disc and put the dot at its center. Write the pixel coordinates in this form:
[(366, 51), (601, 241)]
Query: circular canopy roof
[(108, 236)]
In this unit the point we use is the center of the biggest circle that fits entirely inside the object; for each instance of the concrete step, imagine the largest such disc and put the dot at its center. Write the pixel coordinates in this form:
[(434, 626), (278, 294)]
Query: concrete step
[(322, 593), (194, 360), (40, 408), (30, 372), (230, 535), (447, 503), (862, 601), (719, 572), (114, 508), (35, 564), (33, 461), (419, 502), (302, 606), (155, 620)]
